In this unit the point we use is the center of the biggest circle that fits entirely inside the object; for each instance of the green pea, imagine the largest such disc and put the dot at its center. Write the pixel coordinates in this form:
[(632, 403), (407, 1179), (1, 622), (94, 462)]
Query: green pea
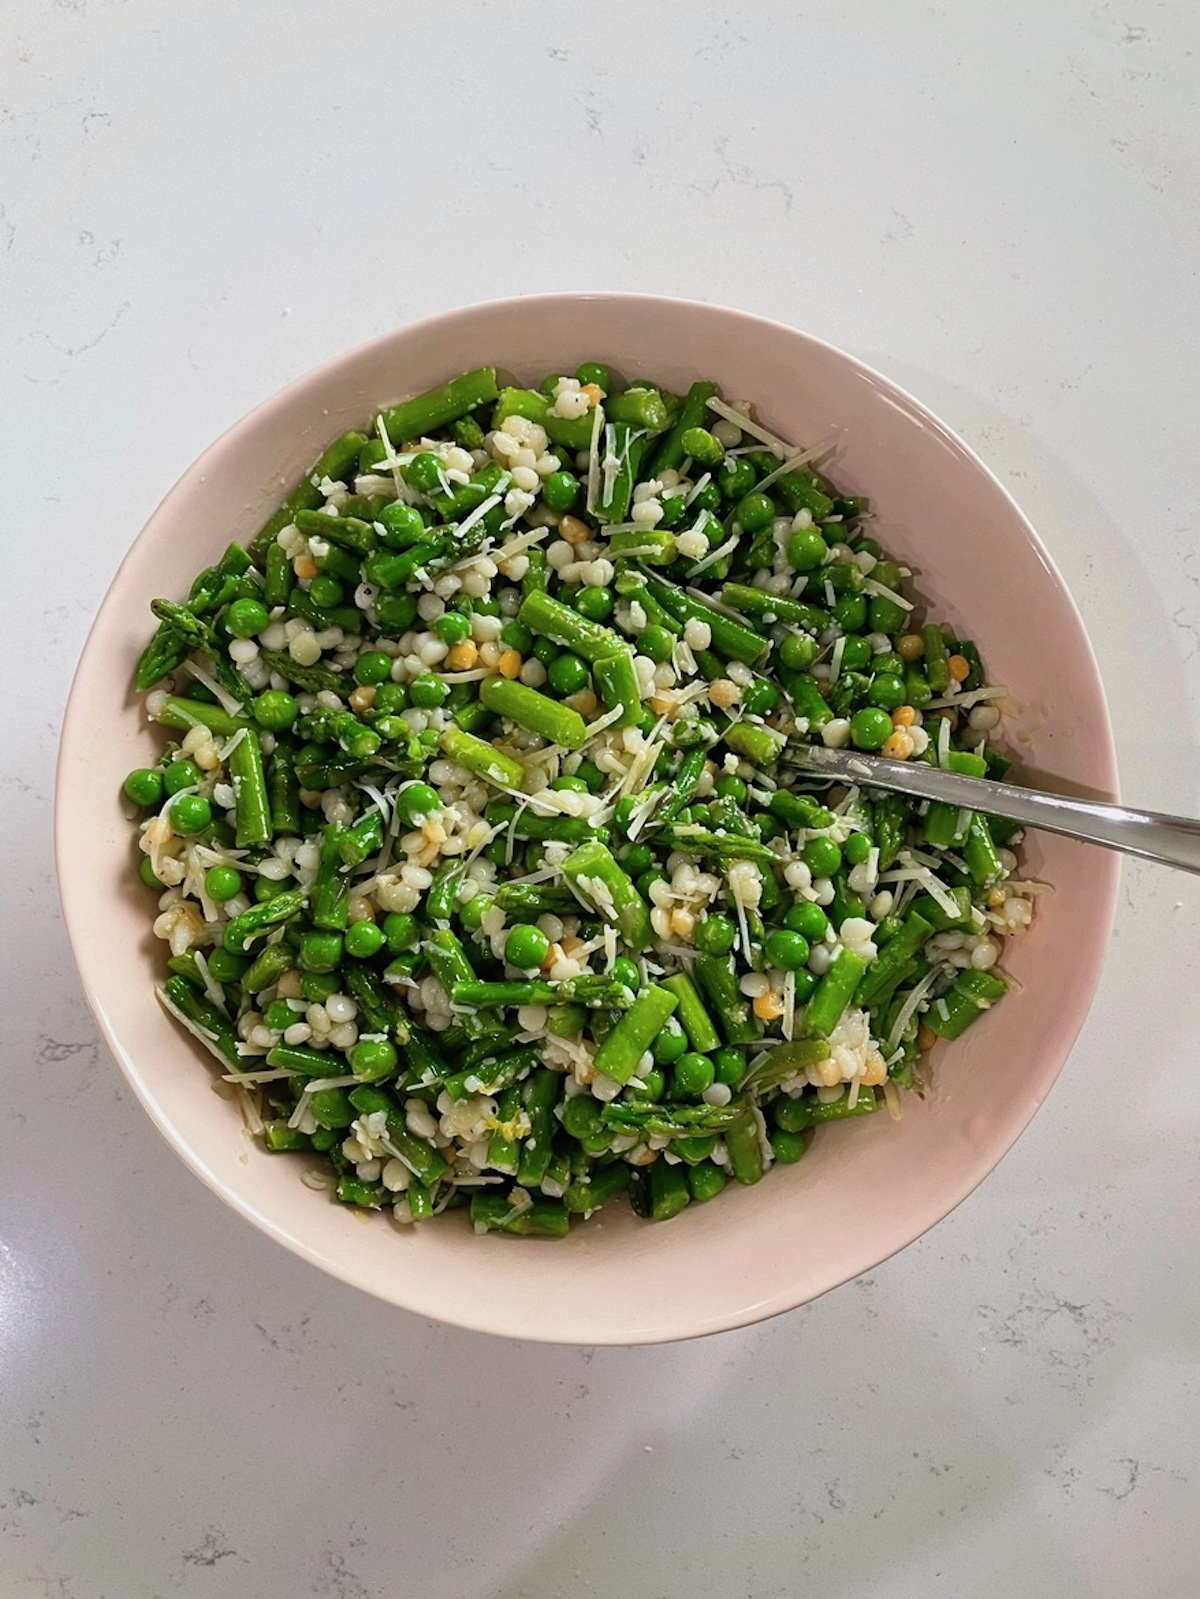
[(395, 613), (225, 966), (705, 1180), (526, 947), (703, 447), (144, 786), (246, 618), (654, 1086), (808, 918), (326, 590), (736, 477), (623, 812), (546, 651), (402, 525), (692, 1075), (821, 856), (870, 728), (706, 499), (332, 1110), (424, 472), (373, 667), (731, 787), (760, 697), (806, 550), (788, 1147), (857, 847), (321, 952), (729, 1064), (181, 774), (516, 636), (373, 1058), (568, 784), (670, 1043), (222, 883), (471, 914), (715, 934), (625, 971), (451, 627), (266, 888), (886, 691), (791, 1114), (190, 814), (885, 616), (591, 775), (637, 858), (786, 949), (567, 674), (595, 372), (560, 490), (856, 653), (364, 939), (850, 613), (391, 698), (656, 642), (148, 875), (279, 1015), (755, 511), (596, 604), (415, 802), (427, 692), (275, 710)]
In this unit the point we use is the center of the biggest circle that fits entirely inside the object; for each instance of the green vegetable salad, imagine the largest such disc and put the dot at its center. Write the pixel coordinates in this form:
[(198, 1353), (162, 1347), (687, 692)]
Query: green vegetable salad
[(482, 871)]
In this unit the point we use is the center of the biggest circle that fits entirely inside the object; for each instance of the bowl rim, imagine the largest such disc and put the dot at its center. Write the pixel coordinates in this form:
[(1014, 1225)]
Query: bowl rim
[(1107, 862)]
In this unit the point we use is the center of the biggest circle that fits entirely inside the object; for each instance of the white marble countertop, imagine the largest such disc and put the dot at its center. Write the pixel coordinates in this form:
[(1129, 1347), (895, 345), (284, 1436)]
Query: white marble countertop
[(996, 204)]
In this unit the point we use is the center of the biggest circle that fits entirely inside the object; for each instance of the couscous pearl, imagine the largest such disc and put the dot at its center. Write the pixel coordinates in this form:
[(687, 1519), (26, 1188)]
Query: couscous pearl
[(304, 649), (717, 1094), (984, 955), (340, 1008), (835, 735)]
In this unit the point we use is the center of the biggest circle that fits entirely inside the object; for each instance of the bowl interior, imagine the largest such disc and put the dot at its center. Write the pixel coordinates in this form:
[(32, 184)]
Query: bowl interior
[(862, 1192)]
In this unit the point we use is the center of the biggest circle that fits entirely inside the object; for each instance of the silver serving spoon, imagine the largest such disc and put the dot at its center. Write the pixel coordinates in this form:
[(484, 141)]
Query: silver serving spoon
[(1170, 840)]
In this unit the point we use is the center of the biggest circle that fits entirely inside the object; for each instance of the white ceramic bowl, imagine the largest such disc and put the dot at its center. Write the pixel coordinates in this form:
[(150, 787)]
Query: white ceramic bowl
[(864, 1190)]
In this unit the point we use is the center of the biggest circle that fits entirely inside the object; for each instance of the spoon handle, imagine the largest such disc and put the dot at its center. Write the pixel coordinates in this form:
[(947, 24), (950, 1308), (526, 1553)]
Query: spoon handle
[(1170, 840)]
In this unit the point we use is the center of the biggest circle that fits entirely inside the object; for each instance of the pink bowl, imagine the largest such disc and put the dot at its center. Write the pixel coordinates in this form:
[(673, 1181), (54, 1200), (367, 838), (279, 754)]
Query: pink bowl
[(864, 1190)]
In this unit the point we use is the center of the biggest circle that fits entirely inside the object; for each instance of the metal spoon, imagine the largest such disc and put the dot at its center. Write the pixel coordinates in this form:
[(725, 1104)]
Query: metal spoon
[(1170, 840)]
